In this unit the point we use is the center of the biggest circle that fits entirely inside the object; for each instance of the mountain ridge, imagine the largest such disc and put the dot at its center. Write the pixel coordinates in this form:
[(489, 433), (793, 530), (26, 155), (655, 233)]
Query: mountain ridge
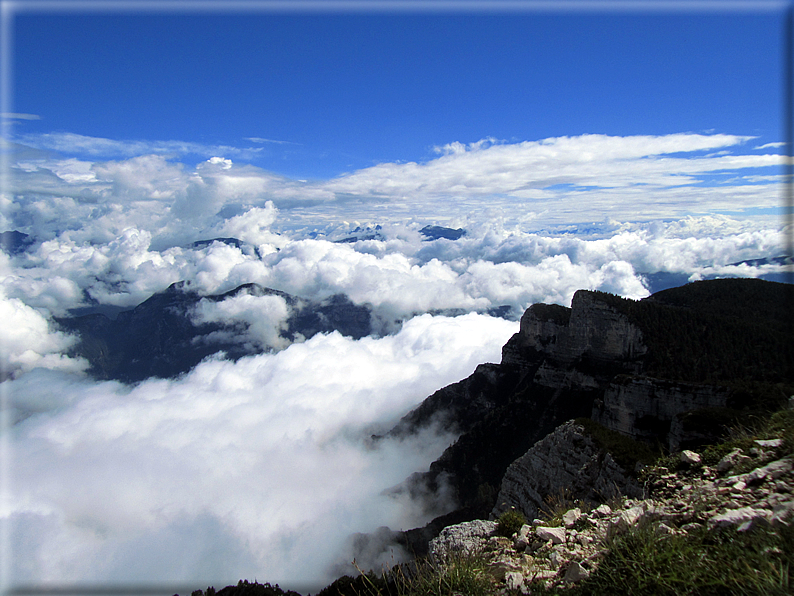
[(570, 363)]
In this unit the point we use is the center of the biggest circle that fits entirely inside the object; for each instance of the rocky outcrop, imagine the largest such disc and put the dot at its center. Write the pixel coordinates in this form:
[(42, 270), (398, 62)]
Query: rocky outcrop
[(462, 404), (567, 547), (565, 464), (462, 538), (590, 330)]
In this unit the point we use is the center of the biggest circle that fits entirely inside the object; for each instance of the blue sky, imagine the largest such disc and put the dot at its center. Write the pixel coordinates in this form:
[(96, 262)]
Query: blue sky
[(322, 94), (374, 113)]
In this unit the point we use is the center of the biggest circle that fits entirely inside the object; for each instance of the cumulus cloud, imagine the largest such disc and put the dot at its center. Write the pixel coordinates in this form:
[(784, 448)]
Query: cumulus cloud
[(28, 341), (262, 319), (263, 461), (491, 266), (557, 180), (254, 226)]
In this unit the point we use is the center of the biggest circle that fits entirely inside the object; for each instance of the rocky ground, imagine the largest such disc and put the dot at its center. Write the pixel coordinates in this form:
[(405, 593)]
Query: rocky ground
[(744, 490)]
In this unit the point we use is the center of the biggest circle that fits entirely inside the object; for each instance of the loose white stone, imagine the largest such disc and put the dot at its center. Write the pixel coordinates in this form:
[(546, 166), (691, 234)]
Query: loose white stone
[(690, 457), (576, 573), (737, 517), (570, 517), (731, 460), (514, 580), (522, 537), (556, 558), (772, 443), (664, 529), (556, 535)]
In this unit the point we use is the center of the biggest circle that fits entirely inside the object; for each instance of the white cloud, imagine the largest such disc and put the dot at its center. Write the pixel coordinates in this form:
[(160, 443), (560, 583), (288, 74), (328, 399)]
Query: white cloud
[(772, 145), (17, 116), (265, 459), (254, 226), (262, 140), (72, 143), (263, 318), (28, 341), (556, 180)]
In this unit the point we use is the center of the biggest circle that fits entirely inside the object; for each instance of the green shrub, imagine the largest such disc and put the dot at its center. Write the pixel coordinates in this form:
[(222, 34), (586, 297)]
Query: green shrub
[(626, 451), (509, 523)]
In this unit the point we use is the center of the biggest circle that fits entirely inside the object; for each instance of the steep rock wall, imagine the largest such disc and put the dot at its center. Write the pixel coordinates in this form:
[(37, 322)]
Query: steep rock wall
[(645, 408), (566, 462), (591, 329)]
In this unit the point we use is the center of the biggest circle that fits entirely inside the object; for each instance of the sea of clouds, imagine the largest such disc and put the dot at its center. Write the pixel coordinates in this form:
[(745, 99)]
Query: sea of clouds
[(262, 468)]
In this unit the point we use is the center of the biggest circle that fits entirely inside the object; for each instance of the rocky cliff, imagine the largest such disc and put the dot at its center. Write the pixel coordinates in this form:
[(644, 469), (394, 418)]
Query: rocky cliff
[(566, 464), (673, 370), (591, 330), (651, 409)]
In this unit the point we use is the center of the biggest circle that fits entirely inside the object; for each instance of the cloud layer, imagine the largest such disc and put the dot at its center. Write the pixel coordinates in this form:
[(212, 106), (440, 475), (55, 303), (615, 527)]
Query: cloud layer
[(255, 468), (261, 468), (555, 181)]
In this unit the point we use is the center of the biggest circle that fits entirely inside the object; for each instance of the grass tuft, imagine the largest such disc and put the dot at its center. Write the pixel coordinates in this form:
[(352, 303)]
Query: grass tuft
[(727, 563)]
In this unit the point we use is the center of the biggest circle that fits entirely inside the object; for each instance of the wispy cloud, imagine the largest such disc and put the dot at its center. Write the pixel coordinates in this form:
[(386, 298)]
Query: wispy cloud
[(555, 180), (526, 169), (16, 116), (75, 144), (772, 145), (261, 140)]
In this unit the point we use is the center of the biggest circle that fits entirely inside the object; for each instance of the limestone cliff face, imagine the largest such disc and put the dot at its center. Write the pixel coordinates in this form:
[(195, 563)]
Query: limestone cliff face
[(553, 370), (591, 329), (645, 408), (564, 462)]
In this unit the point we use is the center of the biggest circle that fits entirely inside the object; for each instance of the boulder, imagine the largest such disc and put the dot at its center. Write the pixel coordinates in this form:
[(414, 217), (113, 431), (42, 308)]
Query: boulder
[(564, 462), (690, 458), (576, 573), (466, 538), (570, 517), (743, 518)]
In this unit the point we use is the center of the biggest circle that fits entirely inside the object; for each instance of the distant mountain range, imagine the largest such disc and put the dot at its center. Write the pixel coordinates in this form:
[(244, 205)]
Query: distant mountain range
[(662, 280), (375, 233), (160, 338)]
